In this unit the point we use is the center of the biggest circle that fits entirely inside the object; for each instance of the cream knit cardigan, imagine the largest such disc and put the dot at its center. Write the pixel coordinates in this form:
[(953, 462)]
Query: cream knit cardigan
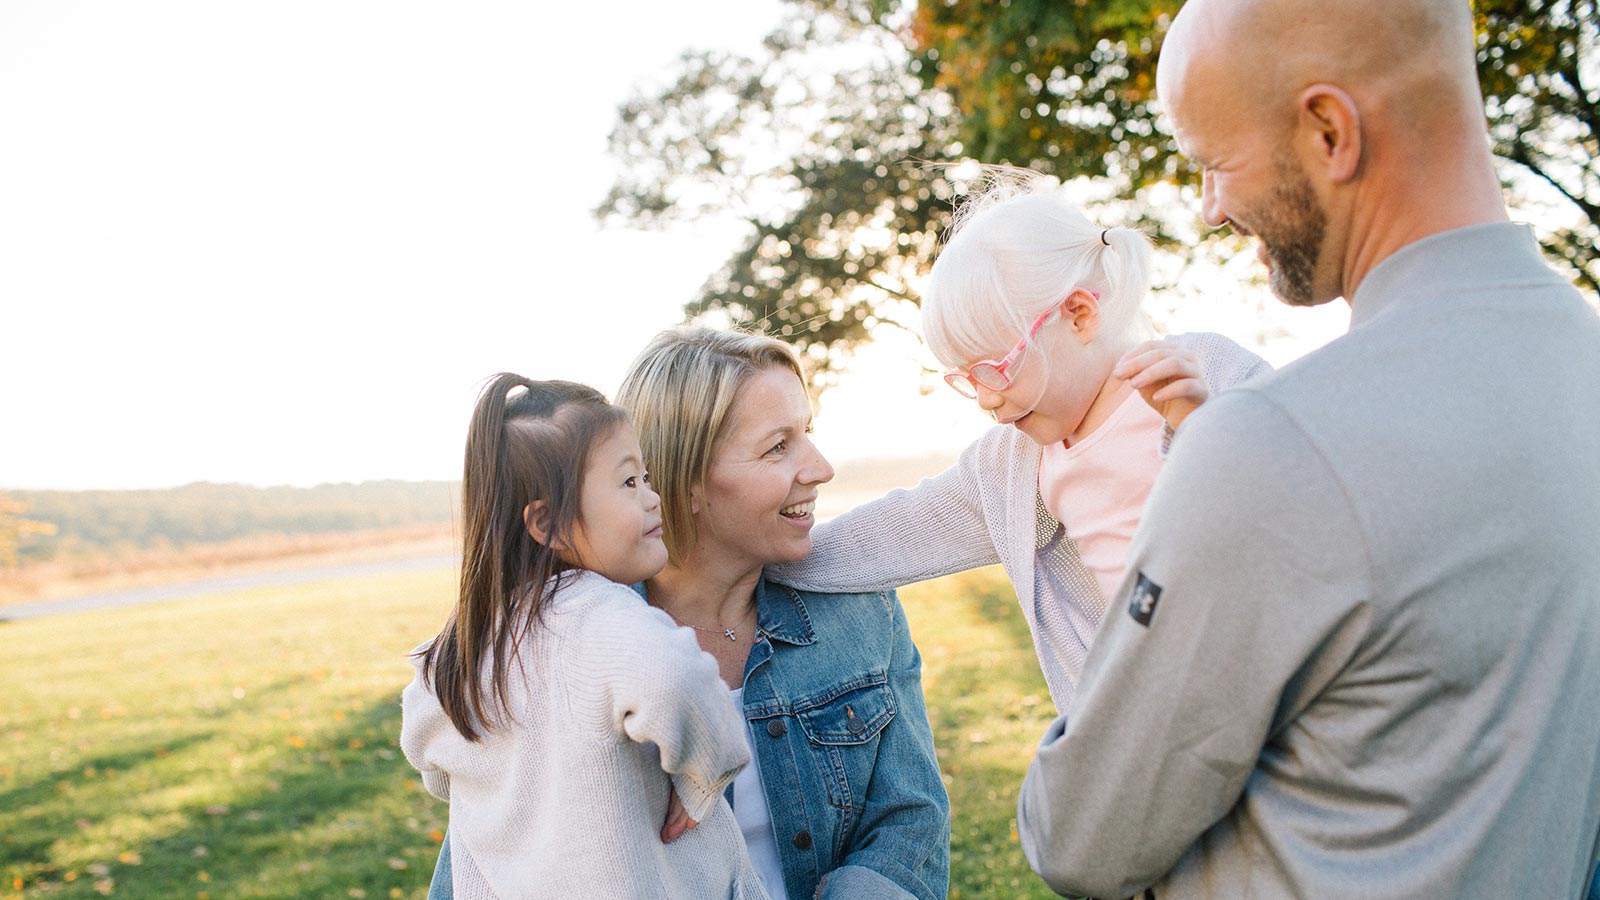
[(986, 509), (609, 699)]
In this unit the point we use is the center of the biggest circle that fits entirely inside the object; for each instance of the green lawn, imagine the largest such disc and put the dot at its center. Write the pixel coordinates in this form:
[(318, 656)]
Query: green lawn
[(245, 745)]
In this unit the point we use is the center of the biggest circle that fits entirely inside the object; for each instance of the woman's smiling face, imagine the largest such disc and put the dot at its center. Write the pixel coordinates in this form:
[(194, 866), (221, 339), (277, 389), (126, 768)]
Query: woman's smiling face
[(759, 496)]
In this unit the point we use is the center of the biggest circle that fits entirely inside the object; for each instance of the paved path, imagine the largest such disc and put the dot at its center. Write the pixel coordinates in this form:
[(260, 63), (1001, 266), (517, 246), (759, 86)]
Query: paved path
[(219, 585)]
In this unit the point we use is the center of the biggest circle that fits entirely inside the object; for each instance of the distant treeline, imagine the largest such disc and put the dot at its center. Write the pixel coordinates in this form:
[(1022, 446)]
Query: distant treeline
[(116, 522)]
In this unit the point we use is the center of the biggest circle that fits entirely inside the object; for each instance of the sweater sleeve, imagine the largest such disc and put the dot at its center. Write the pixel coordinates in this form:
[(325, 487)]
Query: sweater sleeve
[(908, 535), (422, 723), (1237, 609), (651, 683)]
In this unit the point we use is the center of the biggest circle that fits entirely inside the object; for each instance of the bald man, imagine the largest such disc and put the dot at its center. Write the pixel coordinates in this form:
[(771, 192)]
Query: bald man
[(1357, 653)]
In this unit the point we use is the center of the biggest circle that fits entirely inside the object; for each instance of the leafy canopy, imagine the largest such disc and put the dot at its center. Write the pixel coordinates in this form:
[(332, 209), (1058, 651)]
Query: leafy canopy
[(836, 142)]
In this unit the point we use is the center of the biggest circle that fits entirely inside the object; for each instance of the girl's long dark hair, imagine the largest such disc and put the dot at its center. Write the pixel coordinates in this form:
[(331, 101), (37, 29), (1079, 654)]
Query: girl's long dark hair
[(528, 441)]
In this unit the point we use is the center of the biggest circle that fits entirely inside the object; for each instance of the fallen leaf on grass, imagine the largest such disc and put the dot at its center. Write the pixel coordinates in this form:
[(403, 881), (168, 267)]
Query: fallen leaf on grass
[(217, 809), (130, 858), (397, 864)]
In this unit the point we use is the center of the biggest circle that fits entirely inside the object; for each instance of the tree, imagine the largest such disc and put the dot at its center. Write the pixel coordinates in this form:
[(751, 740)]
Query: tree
[(823, 145), (835, 143), (13, 528), (1537, 61)]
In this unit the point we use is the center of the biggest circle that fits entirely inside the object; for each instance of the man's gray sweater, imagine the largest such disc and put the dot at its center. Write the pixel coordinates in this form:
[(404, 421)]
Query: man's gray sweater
[(1357, 651)]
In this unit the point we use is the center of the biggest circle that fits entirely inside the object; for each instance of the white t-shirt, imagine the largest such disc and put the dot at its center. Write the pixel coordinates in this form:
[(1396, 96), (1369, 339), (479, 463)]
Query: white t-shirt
[(750, 811)]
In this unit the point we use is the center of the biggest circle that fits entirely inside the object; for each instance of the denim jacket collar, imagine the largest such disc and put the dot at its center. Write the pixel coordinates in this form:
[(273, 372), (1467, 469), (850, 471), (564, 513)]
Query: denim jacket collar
[(783, 614), (779, 611)]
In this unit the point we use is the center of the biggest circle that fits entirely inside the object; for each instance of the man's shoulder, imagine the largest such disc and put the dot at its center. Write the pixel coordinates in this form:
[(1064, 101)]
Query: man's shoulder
[(1245, 448)]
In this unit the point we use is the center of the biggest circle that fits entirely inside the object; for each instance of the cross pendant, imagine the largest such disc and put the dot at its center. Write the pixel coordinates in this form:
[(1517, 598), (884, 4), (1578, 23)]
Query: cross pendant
[(728, 633)]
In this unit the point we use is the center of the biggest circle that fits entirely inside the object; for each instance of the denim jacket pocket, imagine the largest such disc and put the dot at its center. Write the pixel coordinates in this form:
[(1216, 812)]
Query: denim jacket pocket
[(842, 727)]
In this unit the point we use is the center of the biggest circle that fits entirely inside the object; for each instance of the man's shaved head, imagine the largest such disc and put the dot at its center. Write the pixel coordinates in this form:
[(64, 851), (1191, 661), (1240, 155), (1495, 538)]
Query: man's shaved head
[(1334, 132), (1412, 54)]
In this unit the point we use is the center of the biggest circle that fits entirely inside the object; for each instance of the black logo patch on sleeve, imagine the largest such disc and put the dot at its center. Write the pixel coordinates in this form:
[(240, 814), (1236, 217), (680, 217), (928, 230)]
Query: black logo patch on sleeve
[(1146, 594)]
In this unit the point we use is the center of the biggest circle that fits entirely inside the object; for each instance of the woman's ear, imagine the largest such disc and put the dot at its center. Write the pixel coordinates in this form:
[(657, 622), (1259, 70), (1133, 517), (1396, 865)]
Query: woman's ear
[(536, 516), (695, 497), (1081, 311)]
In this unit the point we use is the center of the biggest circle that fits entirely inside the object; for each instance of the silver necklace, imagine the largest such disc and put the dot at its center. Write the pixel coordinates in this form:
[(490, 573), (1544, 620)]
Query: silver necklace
[(731, 634)]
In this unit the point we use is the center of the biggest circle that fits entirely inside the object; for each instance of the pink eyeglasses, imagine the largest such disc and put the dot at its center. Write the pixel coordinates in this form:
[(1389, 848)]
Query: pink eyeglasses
[(995, 375)]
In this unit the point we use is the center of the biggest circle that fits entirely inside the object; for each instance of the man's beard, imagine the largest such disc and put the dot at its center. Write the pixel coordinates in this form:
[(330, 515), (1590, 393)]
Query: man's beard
[(1291, 227)]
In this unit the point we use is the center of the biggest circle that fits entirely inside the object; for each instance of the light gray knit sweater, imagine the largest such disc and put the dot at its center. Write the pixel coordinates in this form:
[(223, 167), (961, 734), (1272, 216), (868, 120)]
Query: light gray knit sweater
[(986, 509), (609, 700)]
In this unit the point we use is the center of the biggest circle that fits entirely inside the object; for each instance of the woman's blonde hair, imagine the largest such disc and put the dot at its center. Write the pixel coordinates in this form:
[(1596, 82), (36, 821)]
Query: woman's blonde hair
[(679, 393), (1017, 248)]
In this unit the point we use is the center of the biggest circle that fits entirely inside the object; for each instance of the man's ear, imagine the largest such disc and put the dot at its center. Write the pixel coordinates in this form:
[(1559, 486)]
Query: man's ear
[(1081, 311), (1330, 132), (536, 516)]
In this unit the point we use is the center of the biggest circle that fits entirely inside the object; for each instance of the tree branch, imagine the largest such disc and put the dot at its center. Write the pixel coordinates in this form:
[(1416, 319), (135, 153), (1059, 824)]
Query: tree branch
[(1522, 155), (893, 292)]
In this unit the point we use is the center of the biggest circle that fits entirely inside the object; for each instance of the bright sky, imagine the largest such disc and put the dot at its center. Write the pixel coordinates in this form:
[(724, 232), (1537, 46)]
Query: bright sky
[(284, 243)]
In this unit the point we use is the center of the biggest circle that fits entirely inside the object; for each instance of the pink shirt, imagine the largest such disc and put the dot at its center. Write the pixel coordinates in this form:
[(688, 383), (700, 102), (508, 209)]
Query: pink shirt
[(1097, 487)]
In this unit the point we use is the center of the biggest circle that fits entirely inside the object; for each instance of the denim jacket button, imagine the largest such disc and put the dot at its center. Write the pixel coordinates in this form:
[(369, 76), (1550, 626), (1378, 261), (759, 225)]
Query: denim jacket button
[(776, 728), (802, 839)]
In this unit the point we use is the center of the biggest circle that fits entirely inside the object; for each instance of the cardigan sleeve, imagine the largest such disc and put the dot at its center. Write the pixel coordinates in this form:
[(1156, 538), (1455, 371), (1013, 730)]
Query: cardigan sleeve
[(1224, 363)]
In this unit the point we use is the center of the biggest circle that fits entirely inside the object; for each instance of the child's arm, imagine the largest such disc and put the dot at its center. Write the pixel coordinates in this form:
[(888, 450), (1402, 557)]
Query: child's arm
[(655, 685), (907, 535), (1168, 376)]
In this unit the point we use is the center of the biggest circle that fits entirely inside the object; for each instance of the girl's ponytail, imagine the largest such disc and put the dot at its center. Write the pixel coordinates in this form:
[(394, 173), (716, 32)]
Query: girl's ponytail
[(528, 441), (1124, 266)]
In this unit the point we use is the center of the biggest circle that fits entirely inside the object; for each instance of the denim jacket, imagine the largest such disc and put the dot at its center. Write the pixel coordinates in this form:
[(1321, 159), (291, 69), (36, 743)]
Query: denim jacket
[(833, 701)]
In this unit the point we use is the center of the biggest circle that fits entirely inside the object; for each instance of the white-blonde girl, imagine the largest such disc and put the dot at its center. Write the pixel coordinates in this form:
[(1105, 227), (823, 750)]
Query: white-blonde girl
[(1035, 310)]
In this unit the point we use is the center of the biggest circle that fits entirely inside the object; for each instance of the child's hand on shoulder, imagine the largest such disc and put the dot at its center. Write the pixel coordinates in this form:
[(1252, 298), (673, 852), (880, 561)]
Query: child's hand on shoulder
[(1167, 376)]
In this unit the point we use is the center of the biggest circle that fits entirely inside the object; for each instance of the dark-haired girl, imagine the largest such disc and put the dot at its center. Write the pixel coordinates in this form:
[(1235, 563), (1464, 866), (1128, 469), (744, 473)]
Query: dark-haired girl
[(557, 712)]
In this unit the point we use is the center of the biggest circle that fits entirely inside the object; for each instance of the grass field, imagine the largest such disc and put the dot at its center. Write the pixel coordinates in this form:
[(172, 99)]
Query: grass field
[(245, 745)]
